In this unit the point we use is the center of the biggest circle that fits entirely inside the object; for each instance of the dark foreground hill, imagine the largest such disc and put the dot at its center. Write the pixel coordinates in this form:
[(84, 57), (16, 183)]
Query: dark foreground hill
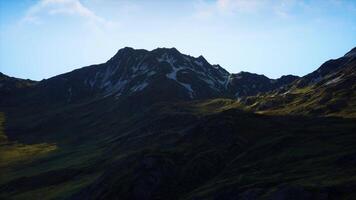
[(163, 125)]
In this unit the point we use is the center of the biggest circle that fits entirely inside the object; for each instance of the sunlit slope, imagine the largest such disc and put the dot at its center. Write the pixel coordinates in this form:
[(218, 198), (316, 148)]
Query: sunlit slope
[(40, 170), (13, 152), (328, 91)]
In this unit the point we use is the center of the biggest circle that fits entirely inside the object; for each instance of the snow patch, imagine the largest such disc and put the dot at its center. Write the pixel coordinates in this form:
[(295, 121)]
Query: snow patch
[(151, 73), (173, 75), (227, 81), (139, 87), (200, 63), (335, 80), (287, 92), (189, 88), (166, 58), (115, 88), (210, 82)]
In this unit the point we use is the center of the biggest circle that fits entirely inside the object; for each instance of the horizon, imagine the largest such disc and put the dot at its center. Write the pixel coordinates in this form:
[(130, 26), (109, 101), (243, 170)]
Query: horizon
[(45, 38)]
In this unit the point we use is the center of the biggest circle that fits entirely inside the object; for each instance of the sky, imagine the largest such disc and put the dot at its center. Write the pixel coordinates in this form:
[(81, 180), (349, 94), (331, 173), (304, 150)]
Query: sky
[(43, 38)]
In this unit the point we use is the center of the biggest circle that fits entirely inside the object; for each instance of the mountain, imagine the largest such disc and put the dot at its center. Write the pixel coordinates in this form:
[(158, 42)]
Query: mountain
[(162, 74), (248, 84), (12, 88), (330, 90), (8, 84), (328, 69), (159, 124)]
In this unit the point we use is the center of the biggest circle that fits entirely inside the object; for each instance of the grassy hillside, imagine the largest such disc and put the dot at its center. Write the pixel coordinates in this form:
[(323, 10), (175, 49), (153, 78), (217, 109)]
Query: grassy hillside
[(40, 170), (210, 149), (332, 95)]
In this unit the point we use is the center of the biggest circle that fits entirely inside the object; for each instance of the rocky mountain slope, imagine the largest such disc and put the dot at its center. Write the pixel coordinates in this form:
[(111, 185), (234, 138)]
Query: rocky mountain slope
[(159, 124), (166, 73), (245, 84), (330, 90), (159, 75)]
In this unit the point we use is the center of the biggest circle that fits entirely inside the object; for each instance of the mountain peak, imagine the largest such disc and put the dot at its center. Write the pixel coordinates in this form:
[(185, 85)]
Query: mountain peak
[(125, 50), (164, 71), (134, 72), (163, 50), (201, 57)]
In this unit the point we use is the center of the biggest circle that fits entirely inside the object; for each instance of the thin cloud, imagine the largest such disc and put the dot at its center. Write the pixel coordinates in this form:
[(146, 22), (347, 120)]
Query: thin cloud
[(37, 12)]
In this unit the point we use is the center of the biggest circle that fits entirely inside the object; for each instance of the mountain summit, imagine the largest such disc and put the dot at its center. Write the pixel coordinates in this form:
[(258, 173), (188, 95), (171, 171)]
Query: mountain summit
[(163, 74)]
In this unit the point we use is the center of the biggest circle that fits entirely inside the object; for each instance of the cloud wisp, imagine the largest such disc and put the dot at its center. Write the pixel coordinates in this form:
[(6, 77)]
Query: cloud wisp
[(43, 8)]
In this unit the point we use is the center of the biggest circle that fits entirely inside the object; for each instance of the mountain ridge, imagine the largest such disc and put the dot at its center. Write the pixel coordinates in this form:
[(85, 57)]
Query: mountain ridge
[(165, 74), (329, 90), (131, 70)]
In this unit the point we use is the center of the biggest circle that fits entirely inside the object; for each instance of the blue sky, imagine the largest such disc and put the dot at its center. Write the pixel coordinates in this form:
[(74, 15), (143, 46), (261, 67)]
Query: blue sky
[(43, 38)]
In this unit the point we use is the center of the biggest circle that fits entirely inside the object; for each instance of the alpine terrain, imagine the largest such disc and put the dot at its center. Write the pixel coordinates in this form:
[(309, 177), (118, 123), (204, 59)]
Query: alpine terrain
[(149, 125)]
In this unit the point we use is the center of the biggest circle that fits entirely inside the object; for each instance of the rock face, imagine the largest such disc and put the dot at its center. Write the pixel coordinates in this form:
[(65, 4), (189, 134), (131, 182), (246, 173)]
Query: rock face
[(162, 74), (132, 71)]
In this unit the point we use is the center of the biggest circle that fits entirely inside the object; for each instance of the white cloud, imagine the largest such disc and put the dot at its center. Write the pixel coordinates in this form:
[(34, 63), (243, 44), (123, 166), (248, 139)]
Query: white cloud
[(37, 12)]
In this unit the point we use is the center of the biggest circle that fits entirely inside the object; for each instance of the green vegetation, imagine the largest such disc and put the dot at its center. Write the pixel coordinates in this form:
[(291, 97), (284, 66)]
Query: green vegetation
[(310, 100), (183, 150), (12, 153), (23, 166), (3, 138), (118, 131)]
